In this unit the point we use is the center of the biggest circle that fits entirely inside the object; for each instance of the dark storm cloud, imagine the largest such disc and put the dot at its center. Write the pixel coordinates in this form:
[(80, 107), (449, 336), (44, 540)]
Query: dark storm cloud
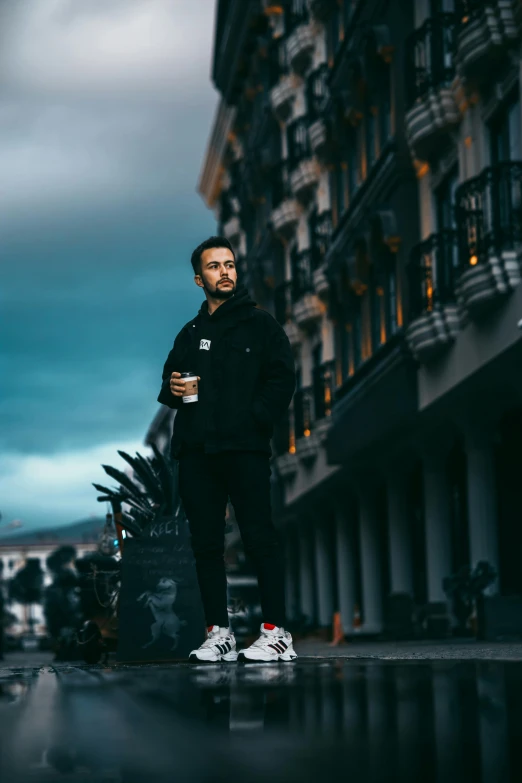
[(105, 110)]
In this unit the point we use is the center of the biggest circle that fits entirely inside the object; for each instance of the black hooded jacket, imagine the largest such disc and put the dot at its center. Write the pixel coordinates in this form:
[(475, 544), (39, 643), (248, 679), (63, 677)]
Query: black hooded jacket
[(247, 371)]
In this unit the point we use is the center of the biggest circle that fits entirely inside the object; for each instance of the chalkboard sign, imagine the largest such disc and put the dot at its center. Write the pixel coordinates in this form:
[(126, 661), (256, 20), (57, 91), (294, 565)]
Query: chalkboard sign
[(160, 612)]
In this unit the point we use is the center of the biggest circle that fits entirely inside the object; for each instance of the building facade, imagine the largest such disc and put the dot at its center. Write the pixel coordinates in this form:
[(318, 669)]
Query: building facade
[(16, 549), (365, 163)]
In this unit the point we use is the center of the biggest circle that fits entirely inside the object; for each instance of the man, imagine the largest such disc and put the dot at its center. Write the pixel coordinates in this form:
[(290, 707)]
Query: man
[(246, 375)]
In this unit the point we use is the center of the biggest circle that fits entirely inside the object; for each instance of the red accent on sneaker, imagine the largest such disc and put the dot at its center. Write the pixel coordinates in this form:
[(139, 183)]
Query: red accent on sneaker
[(209, 628), (269, 626)]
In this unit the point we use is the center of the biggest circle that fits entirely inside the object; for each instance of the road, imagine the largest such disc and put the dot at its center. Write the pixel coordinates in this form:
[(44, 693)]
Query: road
[(321, 719)]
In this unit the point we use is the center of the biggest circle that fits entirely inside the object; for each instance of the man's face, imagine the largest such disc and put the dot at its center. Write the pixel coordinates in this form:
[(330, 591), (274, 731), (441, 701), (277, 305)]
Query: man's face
[(218, 275)]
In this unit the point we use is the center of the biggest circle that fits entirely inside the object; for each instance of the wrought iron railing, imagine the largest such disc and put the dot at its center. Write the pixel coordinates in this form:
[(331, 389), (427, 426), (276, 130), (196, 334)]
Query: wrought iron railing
[(317, 92), (298, 143), (303, 406), (431, 272), (283, 303), (321, 228), (489, 213), (469, 9), (302, 263), (429, 56), (324, 388)]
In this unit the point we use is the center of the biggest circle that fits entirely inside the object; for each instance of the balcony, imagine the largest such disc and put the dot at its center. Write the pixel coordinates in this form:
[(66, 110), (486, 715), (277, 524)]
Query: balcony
[(430, 72), (300, 48), (319, 139), (321, 282), (434, 319), (321, 229), (323, 390), (282, 98), (232, 229), (308, 310), (287, 465), (304, 179), (305, 172), (489, 220), (376, 405), (317, 100), (284, 448), (293, 333), (285, 218), (306, 443), (286, 211), (487, 31), (283, 314), (307, 307)]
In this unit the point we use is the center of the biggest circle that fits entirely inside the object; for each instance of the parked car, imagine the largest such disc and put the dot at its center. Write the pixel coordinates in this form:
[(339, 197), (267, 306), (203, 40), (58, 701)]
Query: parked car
[(244, 606)]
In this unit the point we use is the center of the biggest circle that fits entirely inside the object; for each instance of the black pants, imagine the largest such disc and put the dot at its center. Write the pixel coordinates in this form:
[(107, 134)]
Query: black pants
[(206, 482)]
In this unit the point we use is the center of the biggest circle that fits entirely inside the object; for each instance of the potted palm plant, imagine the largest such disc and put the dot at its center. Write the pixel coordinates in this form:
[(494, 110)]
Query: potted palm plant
[(160, 611)]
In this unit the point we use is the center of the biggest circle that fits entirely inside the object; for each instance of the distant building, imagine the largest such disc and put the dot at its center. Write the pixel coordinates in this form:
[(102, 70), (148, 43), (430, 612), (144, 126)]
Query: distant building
[(365, 162), (16, 548)]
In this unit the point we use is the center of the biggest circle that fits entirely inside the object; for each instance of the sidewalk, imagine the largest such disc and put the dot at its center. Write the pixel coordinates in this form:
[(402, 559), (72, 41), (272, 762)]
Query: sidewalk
[(465, 650)]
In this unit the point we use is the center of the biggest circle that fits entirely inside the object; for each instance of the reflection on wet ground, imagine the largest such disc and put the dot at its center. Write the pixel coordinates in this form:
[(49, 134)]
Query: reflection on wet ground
[(316, 719)]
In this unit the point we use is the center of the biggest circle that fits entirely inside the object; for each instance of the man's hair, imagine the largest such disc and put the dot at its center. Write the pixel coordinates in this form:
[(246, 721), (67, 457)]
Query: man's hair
[(195, 259)]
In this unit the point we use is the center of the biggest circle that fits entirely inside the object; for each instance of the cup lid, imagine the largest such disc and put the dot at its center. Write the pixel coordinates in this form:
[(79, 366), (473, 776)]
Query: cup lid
[(188, 374)]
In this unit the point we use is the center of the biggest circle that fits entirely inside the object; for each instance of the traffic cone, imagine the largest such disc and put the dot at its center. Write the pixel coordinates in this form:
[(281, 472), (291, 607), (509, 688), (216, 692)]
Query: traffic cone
[(356, 624), (337, 630)]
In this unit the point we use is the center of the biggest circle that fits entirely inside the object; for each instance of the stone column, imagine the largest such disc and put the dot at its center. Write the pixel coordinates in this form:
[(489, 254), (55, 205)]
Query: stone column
[(323, 564), (372, 609), (447, 724), (346, 585), (437, 512), (482, 501), (306, 576), (399, 532), (493, 723)]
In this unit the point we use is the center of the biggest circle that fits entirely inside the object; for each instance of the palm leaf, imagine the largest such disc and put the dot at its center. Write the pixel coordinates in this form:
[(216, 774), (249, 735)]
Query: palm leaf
[(127, 482), (145, 473), (167, 477)]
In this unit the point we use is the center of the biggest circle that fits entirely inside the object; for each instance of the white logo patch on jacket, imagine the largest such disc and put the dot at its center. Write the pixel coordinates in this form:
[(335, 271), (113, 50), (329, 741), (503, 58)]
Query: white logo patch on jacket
[(204, 345)]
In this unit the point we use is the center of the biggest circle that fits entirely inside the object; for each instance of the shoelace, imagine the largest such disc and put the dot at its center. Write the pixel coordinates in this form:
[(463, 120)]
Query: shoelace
[(216, 640), (265, 639)]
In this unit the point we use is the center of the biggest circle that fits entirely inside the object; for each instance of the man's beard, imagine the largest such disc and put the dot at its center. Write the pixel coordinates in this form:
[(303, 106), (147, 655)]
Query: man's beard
[(220, 292)]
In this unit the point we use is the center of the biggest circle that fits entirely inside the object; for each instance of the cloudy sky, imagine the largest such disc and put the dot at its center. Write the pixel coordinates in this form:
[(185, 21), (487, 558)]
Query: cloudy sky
[(105, 111)]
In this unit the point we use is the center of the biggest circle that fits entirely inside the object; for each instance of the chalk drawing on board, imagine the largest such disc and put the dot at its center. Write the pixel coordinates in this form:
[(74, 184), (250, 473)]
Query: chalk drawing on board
[(161, 604)]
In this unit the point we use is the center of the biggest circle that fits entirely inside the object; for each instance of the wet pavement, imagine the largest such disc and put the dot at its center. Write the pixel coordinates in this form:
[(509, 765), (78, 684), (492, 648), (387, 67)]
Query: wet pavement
[(317, 719)]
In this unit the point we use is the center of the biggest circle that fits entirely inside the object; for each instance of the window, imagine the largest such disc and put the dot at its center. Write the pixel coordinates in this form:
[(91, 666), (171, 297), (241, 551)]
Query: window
[(334, 34), (441, 7), (505, 133), (445, 201)]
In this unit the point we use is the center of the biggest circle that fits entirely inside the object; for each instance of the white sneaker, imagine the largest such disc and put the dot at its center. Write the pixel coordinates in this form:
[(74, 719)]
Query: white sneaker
[(220, 645), (274, 644)]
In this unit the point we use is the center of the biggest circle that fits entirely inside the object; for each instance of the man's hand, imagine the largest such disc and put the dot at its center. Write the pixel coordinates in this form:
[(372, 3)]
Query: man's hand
[(177, 386)]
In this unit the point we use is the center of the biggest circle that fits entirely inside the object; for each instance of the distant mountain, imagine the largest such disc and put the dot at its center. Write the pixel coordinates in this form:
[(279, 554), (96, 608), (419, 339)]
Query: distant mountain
[(82, 532)]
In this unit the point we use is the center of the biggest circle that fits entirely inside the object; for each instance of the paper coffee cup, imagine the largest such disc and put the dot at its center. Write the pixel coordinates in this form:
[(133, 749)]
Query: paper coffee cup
[(191, 387)]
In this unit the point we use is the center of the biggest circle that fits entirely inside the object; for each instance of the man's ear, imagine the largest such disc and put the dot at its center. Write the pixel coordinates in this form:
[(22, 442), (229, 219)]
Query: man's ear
[(198, 280)]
